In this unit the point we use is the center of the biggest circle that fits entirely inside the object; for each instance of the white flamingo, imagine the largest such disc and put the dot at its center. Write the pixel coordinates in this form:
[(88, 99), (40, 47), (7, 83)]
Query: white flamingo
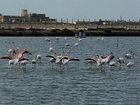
[(80, 39), (10, 51), (50, 49), (76, 44), (130, 64), (129, 55), (38, 57), (98, 38), (56, 38), (121, 61), (102, 38), (112, 63), (36, 60), (47, 39), (100, 60), (67, 44)]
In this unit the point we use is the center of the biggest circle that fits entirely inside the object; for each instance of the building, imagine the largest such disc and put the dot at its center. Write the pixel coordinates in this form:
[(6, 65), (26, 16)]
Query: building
[(12, 19), (34, 17), (25, 18)]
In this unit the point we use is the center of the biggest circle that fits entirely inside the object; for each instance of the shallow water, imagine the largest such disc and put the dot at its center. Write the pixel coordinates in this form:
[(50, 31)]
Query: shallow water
[(77, 84)]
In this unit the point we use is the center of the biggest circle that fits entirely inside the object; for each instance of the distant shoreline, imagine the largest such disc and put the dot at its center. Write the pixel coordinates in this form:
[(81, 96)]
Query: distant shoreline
[(67, 33)]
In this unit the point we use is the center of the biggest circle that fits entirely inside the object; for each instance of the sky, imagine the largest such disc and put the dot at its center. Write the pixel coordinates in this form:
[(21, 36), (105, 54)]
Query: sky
[(75, 9)]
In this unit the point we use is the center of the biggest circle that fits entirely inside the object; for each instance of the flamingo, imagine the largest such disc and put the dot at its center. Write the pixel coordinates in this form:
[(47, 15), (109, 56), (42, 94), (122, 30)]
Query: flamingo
[(33, 61), (23, 62), (36, 60), (15, 56), (15, 61), (80, 39), (66, 59), (47, 39), (129, 55), (55, 59), (39, 57), (102, 38), (106, 59), (10, 50), (50, 49), (26, 51), (112, 63), (56, 38), (52, 59), (65, 38), (120, 60), (61, 60), (76, 44), (130, 64), (20, 59), (9, 58), (92, 60), (95, 60), (19, 54), (98, 38), (100, 60), (67, 44)]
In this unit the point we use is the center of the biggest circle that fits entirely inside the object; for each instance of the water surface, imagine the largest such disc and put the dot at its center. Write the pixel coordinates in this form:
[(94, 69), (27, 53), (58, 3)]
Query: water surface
[(78, 84)]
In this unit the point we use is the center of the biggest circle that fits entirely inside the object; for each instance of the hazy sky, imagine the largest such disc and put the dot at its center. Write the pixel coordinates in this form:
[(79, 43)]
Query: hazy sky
[(88, 9)]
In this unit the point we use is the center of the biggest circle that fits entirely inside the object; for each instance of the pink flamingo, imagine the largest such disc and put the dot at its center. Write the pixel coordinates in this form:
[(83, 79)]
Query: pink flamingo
[(16, 57)]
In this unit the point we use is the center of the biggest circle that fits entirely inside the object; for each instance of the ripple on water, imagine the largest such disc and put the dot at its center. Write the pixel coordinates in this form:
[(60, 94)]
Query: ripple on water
[(77, 83)]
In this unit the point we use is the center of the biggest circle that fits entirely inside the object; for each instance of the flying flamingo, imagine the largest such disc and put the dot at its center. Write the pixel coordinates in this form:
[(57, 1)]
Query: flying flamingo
[(23, 62), (15, 56), (66, 59), (100, 60), (52, 59), (61, 60), (9, 58)]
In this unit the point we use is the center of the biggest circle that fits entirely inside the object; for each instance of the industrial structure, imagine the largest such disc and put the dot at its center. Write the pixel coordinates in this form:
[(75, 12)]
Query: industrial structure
[(28, 24), (26, 17)]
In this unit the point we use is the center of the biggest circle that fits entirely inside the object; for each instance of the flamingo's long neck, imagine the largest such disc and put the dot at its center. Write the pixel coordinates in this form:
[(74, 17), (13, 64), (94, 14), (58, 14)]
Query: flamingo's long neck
[(20, 56)]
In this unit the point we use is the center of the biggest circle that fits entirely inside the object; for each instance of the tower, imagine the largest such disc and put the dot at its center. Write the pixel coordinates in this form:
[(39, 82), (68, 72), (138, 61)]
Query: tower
[(24, 13)]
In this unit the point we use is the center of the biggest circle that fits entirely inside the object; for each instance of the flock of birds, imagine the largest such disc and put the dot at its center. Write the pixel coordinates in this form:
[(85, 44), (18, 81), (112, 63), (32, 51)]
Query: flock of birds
[(19, 58)]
